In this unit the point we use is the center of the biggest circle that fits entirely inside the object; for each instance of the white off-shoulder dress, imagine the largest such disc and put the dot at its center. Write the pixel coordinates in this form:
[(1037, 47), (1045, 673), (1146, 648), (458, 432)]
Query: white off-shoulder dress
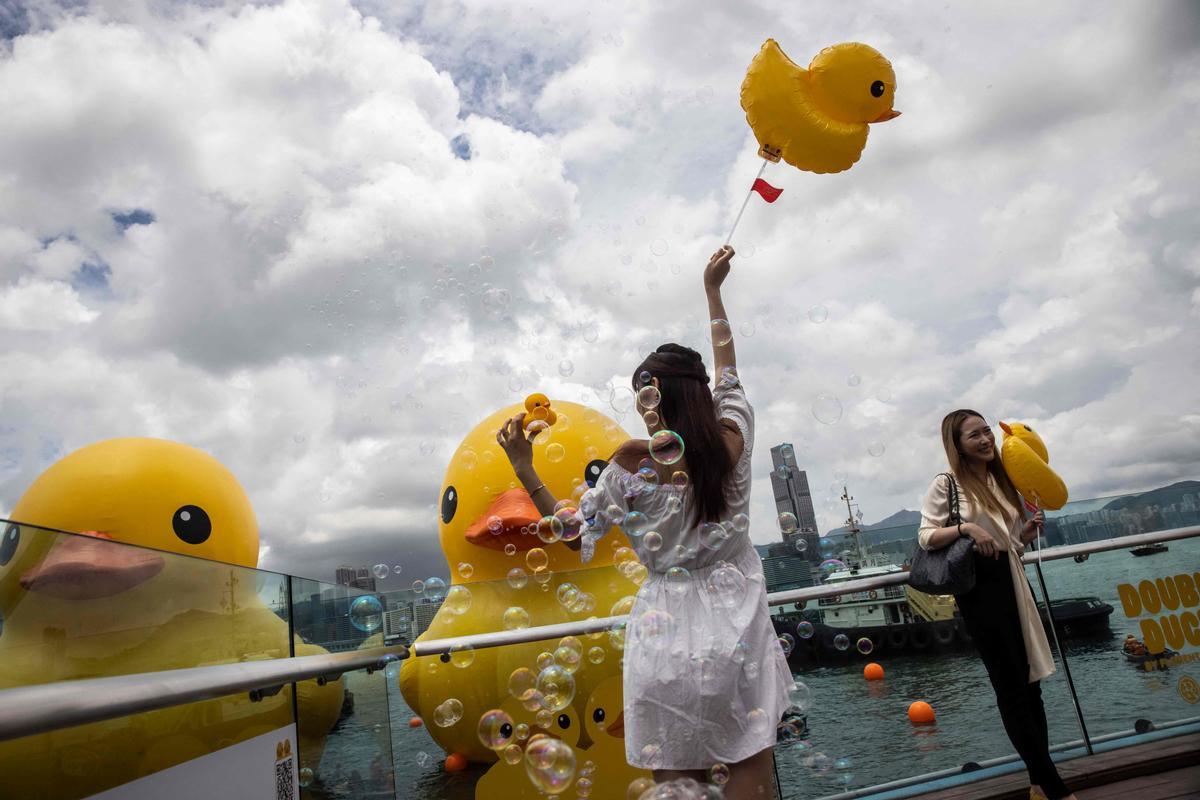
[(705, 679)]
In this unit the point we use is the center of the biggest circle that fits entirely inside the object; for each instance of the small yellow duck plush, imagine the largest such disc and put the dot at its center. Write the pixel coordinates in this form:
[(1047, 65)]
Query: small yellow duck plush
[(1027, 463), (816, 119)]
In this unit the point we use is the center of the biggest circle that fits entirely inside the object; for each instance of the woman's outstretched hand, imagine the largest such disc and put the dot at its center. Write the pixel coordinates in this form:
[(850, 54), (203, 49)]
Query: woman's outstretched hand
[(519, 449), (718, 268), (1033, 526)]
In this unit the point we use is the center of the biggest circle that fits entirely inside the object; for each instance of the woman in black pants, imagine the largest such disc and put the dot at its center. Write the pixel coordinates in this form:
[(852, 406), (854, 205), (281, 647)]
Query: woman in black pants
[(1000, 613)]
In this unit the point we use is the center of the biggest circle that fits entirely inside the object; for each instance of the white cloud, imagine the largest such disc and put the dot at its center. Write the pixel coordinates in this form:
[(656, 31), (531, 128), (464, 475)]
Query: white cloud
[(329, 296)]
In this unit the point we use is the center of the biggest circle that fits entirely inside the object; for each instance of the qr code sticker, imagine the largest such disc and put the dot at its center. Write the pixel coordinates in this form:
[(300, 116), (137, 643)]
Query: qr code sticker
[(285, 782)]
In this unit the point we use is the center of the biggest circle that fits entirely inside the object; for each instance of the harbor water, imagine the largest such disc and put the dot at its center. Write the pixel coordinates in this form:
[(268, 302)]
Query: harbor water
[(859, 733)]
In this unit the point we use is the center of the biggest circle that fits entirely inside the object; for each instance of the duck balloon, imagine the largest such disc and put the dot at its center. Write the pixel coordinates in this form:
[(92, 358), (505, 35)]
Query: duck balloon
[(1027, 463), (816, 119)]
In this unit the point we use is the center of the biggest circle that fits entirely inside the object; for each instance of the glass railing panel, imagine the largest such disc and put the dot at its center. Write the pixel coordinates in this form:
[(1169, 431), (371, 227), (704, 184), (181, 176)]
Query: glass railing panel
[(1129, 619), (345, 729), (78, 606)]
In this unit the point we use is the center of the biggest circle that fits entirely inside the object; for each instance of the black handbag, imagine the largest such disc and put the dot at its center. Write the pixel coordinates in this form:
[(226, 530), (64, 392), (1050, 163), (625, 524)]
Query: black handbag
[(950, 570)]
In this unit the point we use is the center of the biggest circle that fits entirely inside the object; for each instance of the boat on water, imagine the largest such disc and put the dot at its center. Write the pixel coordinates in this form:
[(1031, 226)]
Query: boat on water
[(1077, 615), (1150, 549)]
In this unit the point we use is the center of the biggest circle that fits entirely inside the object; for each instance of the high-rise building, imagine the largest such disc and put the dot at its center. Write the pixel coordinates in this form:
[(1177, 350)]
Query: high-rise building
[(789, 484), (355, 578)]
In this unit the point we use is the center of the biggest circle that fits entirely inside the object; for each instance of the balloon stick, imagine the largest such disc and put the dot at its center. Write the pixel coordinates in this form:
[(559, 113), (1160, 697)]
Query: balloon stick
[(745, 202)]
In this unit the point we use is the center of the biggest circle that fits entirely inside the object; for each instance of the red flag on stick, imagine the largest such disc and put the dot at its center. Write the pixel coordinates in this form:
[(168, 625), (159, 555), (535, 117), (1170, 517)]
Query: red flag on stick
[(768, 192)]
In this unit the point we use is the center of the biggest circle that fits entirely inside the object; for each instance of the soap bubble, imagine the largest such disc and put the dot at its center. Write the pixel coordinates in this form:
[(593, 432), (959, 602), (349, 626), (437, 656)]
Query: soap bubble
[(651, 419), (435, 588), (718, 774), (853, 379), (666, 447), (805, 629), (566, 368), (458, 600), (495, 729), (722, 334), (727, 585), (883, 394), (827, 409), (799, 696), (831, 565), (465, 570), (516, 619), (495, 524), (644, 377), (659, 247), (510, 549), (512, 754), (418, 586), (678, 580), (679, 479), (638, 787), (537, 559), (306, 776), (549, 529), (818, 313), (555, 453), (495, 301), (841, 642), (747, 329), (522, 683), (422, 758), (366, 613), (649, 397), (801, 544), (652, 541), (819, 763), (595, 655), (448, 713), (381, 571), (566, 593), (557, 687), (787, 522), (757, 720), (634, 523), (713, 535), (655, 629), (787, 643), (875, 448), (865, 646), (462, 655), (550, 764)]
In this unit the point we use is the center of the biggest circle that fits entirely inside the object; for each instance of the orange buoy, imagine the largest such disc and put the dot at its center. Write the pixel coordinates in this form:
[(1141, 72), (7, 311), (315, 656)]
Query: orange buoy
[(456, 762), (921, 713), (415, 722), (873, 672)]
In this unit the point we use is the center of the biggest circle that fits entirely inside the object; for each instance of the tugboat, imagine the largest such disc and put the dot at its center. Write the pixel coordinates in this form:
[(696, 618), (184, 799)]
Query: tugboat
[(892, 619), (1150, 549), (1075, 616)]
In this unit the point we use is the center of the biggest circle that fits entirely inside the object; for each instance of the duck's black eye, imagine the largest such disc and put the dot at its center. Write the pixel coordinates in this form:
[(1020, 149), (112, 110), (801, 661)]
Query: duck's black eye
[(191, 523), (877, 89), (1029, 429), (564, 721), (506, 730), (591, 473), (8, 545), (449, 503), (598, 716)]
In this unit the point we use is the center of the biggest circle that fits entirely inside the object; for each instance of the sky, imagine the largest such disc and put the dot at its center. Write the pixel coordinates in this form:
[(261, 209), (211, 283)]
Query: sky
[(322, 239)]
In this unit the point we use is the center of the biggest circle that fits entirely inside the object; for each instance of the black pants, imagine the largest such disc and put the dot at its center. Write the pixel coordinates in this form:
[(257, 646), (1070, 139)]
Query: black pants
[(990, 613)]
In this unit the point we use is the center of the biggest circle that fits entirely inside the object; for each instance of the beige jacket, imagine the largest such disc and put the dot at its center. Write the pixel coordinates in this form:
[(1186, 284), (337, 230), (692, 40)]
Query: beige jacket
[(935, 512)]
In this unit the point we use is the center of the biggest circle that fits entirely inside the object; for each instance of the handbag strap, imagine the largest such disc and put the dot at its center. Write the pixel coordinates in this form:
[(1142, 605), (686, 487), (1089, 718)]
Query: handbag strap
[(955, 517)]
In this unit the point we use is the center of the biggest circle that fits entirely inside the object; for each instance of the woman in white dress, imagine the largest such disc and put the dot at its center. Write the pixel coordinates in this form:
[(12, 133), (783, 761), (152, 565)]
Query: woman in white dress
[(705, 680), (999, 612)]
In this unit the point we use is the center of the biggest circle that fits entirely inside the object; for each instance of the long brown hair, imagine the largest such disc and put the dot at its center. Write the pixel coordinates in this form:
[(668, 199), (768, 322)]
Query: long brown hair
[(976, 489), (686, 407)]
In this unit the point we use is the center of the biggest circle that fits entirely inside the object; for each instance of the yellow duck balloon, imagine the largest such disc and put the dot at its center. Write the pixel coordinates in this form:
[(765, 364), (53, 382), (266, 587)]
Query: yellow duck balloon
[(816, 119), (82, 606), (1027, 463), (518, 579)]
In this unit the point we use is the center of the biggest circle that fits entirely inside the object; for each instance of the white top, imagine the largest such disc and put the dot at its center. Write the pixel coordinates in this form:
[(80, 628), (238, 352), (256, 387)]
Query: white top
[(705, 679), (935, 513)]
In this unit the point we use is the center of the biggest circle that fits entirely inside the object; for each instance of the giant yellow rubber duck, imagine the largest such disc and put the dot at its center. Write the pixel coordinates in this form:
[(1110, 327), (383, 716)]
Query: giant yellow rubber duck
[(1027, 463), (511, 781), (89, 605), (483, 513), (604, 722), (816, 119)]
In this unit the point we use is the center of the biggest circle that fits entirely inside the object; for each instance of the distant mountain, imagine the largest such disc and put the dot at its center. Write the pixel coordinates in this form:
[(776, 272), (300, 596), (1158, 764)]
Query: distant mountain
[(1164, 496), (901, 517)]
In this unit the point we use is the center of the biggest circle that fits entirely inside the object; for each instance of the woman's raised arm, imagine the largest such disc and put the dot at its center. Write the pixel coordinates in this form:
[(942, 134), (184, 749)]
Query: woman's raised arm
[(722, 339)]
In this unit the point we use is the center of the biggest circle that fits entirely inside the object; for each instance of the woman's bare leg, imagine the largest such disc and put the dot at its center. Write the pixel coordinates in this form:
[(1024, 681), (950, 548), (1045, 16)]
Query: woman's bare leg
[(753, 778)]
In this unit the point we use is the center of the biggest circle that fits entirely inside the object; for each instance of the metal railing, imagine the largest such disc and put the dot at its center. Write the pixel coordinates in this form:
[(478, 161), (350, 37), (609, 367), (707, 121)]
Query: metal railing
[(52, 706)]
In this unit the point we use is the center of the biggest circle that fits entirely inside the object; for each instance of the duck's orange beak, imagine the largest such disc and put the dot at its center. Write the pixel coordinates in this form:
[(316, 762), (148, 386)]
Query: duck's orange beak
[(617, 728), (515, 510), (891, 113), (89, 566), (1004, 427)]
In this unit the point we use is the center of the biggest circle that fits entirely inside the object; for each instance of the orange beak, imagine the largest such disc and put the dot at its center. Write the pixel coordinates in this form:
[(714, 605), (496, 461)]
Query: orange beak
[(515, 510), (617, 728), (91, 565), (1004, 427), (891, 113)]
